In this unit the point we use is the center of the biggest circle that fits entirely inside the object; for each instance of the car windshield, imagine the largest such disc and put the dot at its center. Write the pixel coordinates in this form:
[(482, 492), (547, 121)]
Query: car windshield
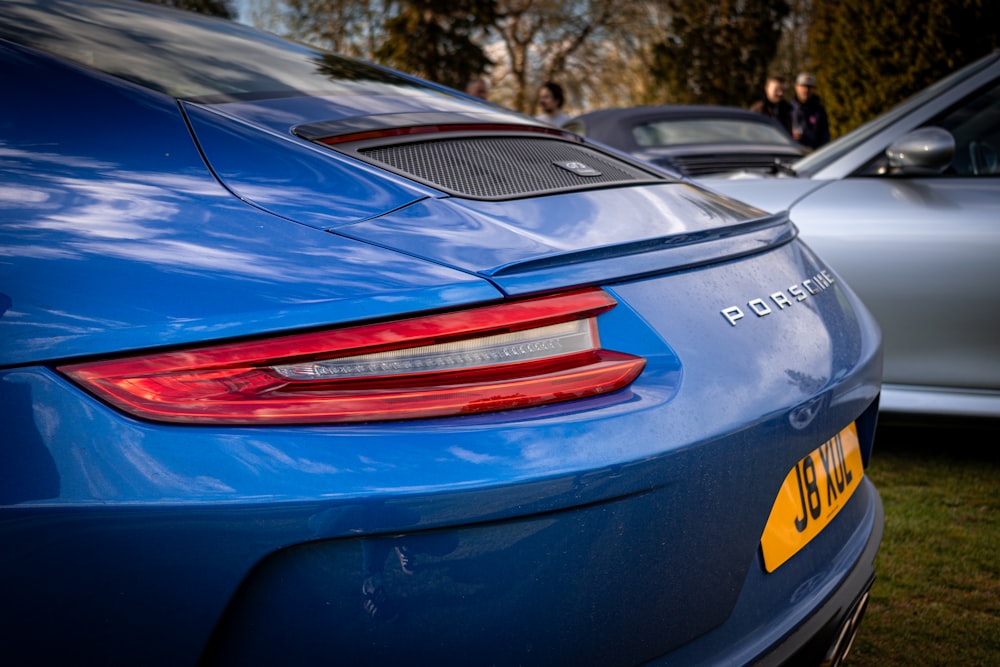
[(831, 152), (706, 131), (187, 55)]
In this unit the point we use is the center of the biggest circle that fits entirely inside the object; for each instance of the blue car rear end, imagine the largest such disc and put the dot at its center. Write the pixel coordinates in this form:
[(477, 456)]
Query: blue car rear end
[(184, 480)]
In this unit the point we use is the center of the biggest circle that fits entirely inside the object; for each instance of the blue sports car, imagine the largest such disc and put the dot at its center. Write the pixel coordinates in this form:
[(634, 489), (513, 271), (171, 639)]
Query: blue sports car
[(307, 361)]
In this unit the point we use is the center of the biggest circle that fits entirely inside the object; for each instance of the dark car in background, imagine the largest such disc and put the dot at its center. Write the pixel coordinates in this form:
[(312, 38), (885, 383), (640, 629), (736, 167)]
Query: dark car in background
[(306, 361), (906, 208), (693, 140)]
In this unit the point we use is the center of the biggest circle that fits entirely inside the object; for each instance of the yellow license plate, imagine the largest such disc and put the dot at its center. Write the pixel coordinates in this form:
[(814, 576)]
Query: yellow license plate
[(815, 489)]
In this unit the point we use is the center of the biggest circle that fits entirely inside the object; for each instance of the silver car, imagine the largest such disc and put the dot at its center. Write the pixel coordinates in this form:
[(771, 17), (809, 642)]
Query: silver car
[(906, 209)]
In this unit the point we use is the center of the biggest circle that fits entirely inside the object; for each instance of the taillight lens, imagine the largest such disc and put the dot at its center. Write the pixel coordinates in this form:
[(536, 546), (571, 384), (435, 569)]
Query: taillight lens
[(484, 359)]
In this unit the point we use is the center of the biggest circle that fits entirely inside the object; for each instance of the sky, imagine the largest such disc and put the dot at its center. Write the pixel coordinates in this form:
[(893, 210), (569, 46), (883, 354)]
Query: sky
[(241, 7)]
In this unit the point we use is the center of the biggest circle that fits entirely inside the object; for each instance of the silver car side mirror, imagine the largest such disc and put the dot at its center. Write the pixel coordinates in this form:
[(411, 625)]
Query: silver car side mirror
[(928, 150)]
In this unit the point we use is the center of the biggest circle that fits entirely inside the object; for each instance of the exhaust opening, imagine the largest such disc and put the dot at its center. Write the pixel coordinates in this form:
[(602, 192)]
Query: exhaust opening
[(841, 647)]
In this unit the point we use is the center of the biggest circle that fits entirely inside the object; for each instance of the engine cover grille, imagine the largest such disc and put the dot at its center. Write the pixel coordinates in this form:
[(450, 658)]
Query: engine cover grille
[(702, 165), (504, 167)]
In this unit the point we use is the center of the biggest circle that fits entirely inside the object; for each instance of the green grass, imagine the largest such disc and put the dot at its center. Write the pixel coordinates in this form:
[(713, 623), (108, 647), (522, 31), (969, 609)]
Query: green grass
[(936, 598)]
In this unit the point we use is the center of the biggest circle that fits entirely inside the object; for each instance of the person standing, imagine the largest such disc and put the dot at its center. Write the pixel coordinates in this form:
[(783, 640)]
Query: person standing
[(478, 87), (550, 101), (810, 123), (773, 103)]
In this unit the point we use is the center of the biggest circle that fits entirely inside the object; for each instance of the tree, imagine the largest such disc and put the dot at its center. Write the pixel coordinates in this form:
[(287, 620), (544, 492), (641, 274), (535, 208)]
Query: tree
[(439, 40), (436, 39), (868, 55), (351, 27), (593, 47), (581, 44), (718, 53), (791, 56)]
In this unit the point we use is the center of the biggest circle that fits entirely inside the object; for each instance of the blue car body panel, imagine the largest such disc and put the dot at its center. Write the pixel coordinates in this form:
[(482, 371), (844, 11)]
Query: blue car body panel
[(142, 220), (492, 237), (293, 178), (236, 503), (618, 529)]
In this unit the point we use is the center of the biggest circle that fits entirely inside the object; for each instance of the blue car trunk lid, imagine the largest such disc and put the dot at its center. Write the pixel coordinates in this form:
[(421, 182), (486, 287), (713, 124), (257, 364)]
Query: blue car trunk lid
[(526, 205), (587, 237)]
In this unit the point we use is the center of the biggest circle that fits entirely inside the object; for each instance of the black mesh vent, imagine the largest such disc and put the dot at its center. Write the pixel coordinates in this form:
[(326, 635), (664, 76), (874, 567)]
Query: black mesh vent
[(700, 165), (505, 167)]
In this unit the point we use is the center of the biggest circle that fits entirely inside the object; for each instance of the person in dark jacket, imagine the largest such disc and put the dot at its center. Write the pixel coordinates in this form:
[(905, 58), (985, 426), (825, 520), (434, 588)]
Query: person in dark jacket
[(773, 103), (810, 123), (550, 100)]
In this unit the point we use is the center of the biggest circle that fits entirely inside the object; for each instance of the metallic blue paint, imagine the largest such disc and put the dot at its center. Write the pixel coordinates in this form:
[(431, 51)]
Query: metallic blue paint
[(490, 236), (618, 529), (139, 218), (299, 180)]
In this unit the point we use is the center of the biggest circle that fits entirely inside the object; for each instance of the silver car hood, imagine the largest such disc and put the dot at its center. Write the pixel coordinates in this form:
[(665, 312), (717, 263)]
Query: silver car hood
[(770, 193)]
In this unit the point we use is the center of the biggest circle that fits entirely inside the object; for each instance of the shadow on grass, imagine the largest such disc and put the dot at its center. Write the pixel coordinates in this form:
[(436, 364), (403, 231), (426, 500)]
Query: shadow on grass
[(936, 598), (963, 439)]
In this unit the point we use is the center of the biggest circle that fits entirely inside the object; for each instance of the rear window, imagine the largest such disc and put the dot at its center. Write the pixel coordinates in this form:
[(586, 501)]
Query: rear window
[(706, 131), (186, 55)]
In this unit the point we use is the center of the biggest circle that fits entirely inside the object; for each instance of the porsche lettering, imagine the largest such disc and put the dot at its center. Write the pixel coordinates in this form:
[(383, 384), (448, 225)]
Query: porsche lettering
[(778, 301)]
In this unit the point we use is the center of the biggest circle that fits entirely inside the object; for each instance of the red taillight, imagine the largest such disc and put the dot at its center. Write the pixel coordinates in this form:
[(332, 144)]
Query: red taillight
[(485, 359)]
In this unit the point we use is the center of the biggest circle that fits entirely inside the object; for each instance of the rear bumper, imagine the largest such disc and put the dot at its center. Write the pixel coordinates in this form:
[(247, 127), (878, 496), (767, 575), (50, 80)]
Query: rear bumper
[(589, 586), (814, 613), (826, 637)]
